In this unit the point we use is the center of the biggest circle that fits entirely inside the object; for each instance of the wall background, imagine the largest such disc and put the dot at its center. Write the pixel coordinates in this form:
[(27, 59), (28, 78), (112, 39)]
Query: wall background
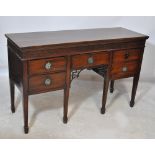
[(144, 25)]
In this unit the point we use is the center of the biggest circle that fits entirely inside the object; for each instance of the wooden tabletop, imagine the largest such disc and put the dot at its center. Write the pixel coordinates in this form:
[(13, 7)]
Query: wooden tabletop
[(23, 40)]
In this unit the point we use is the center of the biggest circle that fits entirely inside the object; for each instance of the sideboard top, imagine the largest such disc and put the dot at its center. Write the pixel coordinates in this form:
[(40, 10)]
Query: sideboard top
[(33, 39)]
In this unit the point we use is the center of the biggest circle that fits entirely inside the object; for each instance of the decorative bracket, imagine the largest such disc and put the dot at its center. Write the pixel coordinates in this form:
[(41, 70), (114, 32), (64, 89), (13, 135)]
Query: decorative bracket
[(99, 70), (75, 74)]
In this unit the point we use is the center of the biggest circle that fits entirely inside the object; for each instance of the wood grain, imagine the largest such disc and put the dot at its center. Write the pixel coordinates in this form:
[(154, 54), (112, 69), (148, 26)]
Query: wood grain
[(81, 61), (127, 55), (33, 39), (38, 66), (37, 83), (113, 48), (131, 67)]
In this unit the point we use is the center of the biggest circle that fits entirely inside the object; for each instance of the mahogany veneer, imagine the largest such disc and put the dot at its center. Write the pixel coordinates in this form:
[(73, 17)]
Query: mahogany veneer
[(44, 61), (82, 60), (38, 66)]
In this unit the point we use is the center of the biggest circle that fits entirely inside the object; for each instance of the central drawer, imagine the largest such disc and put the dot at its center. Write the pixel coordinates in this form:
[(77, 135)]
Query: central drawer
[(89, 60), (41, 83)]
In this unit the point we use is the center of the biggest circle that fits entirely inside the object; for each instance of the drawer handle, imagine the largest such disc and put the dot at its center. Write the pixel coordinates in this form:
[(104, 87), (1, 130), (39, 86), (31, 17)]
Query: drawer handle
[(90, 60), (124, 69), (48, 82), (126, 56), (48, 65)]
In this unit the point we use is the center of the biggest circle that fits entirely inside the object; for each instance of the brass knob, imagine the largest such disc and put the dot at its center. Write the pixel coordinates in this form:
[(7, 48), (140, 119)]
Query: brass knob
[(126, 56), (90, 60), (124, 69), (48, 65), (48, 81)]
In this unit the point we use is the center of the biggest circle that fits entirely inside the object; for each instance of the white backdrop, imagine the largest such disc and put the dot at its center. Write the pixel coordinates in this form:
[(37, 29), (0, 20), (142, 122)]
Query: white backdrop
[(144, 25)]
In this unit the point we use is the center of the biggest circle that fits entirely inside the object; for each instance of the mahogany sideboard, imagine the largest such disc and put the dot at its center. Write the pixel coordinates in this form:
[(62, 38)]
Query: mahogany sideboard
[(47, 61)]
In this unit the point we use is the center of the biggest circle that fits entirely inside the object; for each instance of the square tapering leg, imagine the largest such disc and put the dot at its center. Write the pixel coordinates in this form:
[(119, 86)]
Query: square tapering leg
[(12, 96), (111, 86), (25, 110), (105, 91), (134, 89), (66, 96), (66, 90)]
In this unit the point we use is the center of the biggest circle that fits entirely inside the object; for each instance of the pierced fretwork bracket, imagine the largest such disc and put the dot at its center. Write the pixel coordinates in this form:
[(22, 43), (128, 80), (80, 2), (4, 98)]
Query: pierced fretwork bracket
[(99, 70), (75, 74)]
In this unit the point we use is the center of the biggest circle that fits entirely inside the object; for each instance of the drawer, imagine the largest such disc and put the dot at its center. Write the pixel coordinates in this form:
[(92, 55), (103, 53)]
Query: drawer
[(127, 55), (125, 69), (40, 83), (47, 65), (88, 60)]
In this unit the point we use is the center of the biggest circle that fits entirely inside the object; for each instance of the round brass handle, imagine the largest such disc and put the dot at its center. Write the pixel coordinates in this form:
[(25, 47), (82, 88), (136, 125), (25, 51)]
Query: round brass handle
[(48, 81), (126, 56), (90, 60), (124, 69), (48, 65)]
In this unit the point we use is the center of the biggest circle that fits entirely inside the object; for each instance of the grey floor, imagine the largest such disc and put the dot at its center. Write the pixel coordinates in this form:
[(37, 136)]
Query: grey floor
[(85, 120)]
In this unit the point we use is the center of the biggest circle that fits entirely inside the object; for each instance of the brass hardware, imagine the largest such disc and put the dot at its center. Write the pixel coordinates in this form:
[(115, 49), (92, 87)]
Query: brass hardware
[(48, 65), (48, 82), (90, 60), (124, 69)]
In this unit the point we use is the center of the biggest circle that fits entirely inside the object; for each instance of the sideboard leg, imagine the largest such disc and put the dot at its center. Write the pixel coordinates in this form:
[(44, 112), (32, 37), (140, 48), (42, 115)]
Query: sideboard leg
[(66, 96), (134, 89), (12, 95), (25, 109), (105, 91), (111, 86), (66, 90)]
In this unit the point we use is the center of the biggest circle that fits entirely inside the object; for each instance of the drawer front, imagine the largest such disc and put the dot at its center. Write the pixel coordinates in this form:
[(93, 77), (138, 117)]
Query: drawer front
[(89, 60), (47, 65), (127, 55), (41, 83), (125, 69)]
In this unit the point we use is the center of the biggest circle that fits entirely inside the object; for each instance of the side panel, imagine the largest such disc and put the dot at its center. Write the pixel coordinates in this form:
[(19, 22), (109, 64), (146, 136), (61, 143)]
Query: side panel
[(15, 67)]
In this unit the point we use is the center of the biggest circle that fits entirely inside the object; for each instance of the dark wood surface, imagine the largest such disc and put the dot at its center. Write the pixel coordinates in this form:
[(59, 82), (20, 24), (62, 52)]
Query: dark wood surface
[(39, 66), (43, 61), (23, 40), (127, 55), (82, 60), (130, 67), (37, 83), (66, 89)]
